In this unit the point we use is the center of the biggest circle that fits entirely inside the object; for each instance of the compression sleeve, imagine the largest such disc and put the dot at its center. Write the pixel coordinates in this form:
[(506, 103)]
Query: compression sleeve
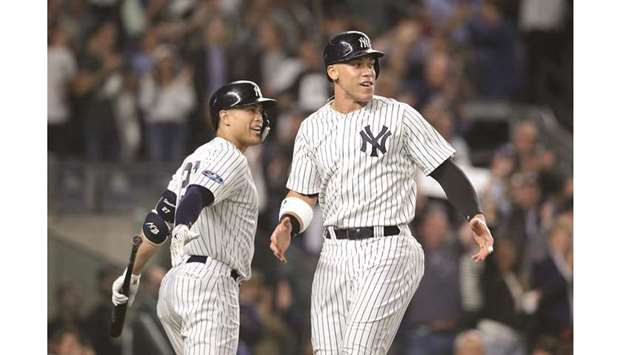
[(458, 188), (195, 199)]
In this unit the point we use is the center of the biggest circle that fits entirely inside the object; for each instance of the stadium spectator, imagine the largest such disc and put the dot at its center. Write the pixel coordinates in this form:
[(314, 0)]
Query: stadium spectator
[(545, 34), (469, 278), (68, 310), (213, 63), (553, 278), (502, 318), (97, 322), (141, 58), (127, 120), (69, 341), (495, 196), (442, 118), (61, 69), (469, 343), (166, 97), (309, 89), (97, 85), (526, 151), (431, 322), (523, 223), (497, 71)]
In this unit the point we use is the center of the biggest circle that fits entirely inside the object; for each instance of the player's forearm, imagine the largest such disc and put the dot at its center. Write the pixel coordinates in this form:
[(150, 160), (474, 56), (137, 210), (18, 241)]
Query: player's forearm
[(458, 188), (146, 250)]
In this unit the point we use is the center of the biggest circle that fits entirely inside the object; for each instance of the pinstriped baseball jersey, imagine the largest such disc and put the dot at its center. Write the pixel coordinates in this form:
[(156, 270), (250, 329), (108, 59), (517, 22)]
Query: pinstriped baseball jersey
[(362, 163), (228, 226)]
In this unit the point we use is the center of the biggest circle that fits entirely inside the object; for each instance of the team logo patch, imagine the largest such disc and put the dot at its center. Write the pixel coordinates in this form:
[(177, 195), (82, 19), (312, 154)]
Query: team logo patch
[(152, 227), (213, 176), (346, 48), (377, 142)]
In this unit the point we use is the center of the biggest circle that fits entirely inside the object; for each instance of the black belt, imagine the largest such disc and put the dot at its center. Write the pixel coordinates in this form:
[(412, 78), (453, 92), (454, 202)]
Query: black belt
[(202, 259), (362, 232)]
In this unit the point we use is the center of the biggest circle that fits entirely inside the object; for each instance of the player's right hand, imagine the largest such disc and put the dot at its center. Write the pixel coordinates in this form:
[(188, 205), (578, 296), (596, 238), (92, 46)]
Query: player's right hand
[(281, 239), (117, 296), (482, 237), (181, 235)]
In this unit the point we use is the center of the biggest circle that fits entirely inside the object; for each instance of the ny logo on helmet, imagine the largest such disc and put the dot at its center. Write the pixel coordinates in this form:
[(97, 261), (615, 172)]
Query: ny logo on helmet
[(364, 42), (257, 91), (377, 142)]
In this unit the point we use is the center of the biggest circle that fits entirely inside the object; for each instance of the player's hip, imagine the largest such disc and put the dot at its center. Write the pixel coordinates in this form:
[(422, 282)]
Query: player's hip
[(390, 245), (199, 283)]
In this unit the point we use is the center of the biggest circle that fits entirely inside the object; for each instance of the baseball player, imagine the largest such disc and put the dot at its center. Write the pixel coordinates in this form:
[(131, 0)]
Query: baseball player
[(213, 204), (358, 155)]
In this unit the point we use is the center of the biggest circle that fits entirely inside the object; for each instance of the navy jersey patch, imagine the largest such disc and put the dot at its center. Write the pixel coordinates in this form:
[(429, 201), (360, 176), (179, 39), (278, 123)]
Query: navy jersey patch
[(213, 176)]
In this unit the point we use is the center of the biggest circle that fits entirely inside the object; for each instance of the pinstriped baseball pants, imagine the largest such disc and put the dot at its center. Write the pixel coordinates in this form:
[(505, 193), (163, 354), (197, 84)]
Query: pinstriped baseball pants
[(360, 292), (199, 308)]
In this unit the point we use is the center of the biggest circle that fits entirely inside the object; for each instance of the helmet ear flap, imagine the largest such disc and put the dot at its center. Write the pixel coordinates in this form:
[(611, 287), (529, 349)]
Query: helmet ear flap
[(265, 129)]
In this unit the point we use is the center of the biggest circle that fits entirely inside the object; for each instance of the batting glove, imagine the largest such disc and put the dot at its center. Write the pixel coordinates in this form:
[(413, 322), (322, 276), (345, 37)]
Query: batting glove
[(117, 296), (181, 235)]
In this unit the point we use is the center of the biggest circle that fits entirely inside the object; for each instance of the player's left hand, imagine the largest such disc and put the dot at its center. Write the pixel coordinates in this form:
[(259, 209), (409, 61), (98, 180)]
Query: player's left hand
[(281, 239), (181, 235), (117, 296), (482, 237)]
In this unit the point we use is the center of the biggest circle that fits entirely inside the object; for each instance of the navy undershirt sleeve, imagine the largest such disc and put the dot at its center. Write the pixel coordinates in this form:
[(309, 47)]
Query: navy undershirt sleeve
[(195, 199)]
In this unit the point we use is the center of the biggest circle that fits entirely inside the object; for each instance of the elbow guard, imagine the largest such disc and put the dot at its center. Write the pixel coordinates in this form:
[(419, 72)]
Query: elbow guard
[(166, 206), (155, 228)]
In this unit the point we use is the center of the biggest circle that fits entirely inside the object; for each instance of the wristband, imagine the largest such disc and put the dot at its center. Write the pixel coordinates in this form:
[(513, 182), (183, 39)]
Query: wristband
[(299, 209)]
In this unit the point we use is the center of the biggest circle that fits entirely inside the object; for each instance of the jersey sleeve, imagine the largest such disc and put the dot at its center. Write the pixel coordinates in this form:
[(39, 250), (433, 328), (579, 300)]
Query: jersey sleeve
[(221, 172), (174, 184), (423, 144), (304, 177)]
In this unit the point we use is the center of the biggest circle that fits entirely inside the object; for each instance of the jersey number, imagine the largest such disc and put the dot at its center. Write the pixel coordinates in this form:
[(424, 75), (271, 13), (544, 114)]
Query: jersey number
[(187, 170)]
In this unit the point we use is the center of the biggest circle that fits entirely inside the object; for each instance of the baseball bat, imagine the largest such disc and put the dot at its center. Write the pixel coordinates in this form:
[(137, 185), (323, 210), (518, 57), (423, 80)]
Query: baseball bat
[(118, 312)]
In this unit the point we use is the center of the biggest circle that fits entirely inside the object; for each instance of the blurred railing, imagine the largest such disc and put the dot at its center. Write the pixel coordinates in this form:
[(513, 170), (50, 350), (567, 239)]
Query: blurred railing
[(84, 187)]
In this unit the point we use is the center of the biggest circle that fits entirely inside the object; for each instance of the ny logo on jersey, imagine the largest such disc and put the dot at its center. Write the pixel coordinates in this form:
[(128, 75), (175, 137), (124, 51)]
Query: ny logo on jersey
[(364, 42), (377, 142)]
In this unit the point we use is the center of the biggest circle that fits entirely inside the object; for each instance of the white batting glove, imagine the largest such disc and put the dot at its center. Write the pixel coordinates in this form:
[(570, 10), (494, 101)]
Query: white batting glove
[(117, 296), (181, 235)]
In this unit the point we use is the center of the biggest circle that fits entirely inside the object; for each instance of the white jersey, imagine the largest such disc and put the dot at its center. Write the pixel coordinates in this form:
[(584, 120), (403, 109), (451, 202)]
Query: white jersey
[(228, 226), (363, 163)]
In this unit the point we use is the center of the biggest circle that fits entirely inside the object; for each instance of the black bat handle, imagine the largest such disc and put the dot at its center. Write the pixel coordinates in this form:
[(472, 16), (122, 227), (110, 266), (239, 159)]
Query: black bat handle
[(118, 312)]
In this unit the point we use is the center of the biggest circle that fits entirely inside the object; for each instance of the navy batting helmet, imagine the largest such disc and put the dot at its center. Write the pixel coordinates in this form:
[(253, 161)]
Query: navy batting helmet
[(349, 45), (240, 94)]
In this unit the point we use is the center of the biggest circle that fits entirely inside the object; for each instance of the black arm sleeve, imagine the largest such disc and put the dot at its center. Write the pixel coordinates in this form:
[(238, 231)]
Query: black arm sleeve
[(196, 198), (458, 188)]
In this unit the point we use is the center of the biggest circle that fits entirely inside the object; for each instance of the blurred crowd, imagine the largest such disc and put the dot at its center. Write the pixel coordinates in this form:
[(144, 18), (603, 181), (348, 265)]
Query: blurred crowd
[(129, 81)]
